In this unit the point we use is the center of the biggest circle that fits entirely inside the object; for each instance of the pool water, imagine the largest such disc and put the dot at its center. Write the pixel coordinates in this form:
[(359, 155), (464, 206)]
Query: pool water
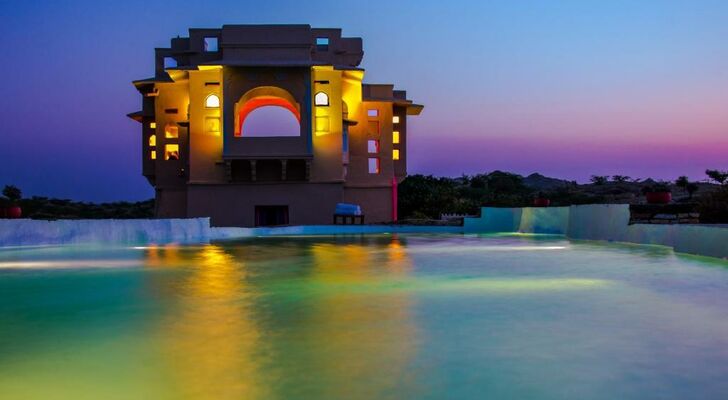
[(363, 317)]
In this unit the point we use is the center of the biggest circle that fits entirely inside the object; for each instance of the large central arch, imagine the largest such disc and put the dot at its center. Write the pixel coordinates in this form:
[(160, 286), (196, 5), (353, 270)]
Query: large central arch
[(260, 97)]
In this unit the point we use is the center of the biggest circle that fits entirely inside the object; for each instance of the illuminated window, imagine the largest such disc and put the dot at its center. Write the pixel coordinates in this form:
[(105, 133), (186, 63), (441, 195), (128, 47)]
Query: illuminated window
[(211, 44), (152, 140), (153, 125), (373, 112), (212, 101), (212, 125), (373, 165), (395, 137), (171, 152), (153, 154), (322, 43), (395, 154), (321, 99), (322, 125), (373, 146), (395, 119), (171, 131)]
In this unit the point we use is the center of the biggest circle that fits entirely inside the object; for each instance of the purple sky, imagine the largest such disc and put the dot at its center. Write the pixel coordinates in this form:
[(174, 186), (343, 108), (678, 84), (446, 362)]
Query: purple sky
[(565, 88)]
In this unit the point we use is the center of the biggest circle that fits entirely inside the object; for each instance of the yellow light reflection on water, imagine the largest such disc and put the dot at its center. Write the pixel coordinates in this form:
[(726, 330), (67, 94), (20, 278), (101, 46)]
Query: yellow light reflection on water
[(366, 361), (211, 340)]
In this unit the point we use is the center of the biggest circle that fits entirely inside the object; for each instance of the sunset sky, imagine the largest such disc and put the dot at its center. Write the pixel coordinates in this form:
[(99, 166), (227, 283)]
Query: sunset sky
[(564, 88)]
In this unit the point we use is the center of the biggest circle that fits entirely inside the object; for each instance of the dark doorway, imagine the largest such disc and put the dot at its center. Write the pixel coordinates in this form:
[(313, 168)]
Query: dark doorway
[(271, 215)]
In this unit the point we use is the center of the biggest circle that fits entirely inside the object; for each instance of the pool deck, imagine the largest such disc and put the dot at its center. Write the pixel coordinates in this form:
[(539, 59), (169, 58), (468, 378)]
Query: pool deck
[(600, 222)]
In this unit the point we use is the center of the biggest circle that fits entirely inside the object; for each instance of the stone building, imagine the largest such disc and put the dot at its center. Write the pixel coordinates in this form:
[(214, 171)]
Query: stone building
[(205, 158)]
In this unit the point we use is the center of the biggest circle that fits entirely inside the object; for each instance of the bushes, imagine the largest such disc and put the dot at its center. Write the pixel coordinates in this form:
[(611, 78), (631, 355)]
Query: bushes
[(45, 208), (713, 207)]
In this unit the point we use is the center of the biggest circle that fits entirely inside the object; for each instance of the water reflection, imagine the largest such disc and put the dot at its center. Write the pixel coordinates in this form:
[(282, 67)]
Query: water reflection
[(240, 326), (211, 341)]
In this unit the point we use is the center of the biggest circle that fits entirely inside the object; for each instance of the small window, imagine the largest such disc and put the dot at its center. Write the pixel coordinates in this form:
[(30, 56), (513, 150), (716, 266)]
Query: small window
[(170, 62), (153, 125), (395, 137), (212, 101), (322, 43), (321, 99), (153, 154), (373, 112), (373, 165), (171, 131), (373, 146), (152, 140), (211, 44), (212, 125), (395, 119), (395, 154), (171, 152), (322, 125)]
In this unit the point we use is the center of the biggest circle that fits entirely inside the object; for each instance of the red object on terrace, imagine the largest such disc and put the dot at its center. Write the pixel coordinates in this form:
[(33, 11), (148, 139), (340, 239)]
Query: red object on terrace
[(541, 202), (394, 199), (13, 212), (658, 197)]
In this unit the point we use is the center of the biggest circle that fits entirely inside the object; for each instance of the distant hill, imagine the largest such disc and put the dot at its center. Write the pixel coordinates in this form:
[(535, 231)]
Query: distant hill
[(539, 182)]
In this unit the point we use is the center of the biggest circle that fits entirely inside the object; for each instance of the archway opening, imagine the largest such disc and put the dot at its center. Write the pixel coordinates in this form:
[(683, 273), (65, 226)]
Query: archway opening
[(270, 121)]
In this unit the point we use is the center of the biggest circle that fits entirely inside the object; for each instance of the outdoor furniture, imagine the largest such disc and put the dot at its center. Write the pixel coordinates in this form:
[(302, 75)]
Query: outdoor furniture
[(348, 214), (352, 219)]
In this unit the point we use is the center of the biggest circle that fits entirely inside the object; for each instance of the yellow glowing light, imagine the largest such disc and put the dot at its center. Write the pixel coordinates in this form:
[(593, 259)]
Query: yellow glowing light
[(153, 155), (152, 140), (395, 154), (153, 125), (395, 137), (321, 99), (395, 119), (171, 131), (212, 101), (171, 152), (212, 125), (322, 125)]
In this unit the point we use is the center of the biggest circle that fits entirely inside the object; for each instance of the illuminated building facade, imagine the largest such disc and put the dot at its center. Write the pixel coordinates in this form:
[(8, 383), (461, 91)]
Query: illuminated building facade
[(204, 159)]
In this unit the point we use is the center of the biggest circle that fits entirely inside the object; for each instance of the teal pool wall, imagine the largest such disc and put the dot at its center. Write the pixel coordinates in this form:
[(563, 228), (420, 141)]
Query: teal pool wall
[(606, 222), (29, 232)]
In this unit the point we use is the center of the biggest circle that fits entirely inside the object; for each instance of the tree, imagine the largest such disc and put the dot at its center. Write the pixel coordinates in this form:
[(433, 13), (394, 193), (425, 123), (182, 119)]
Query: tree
[(621, 178), (12, 193), (691, 188), (599, 179), (719, 176)]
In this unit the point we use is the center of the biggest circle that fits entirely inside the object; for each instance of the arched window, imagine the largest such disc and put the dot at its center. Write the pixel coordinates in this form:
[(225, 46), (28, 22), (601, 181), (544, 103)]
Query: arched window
[(152, 140), (212, 101), (321, 99)]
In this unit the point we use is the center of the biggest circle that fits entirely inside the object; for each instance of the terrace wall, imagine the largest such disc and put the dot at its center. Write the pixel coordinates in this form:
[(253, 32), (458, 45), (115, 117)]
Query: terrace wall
[(608, 222)]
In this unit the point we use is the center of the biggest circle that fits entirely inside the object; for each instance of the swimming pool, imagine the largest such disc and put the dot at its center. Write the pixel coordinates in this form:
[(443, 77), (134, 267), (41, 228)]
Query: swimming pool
[(363, 317)]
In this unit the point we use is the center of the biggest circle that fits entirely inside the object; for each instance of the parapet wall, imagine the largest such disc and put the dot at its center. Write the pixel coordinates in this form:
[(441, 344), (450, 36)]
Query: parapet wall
[(28, 232), (608, 222)]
